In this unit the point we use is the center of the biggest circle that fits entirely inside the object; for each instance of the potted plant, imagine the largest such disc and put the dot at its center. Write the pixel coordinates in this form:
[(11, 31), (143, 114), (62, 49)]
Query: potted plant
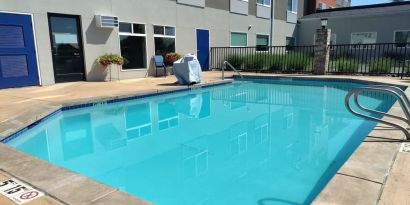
[(107, 60), (170, 58)]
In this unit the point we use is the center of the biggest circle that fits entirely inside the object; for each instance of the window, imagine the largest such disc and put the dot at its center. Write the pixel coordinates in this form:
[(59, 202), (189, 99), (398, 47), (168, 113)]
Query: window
[(133, 45), (402, 38), (168, 117), (159, 30), (264, 2), (164, 31), (125, 27), (164, 39), (239, 39), (363, 38), (321, 6), (290, 41), (138, 28), (262, 42), (293, 6), (138, 120)]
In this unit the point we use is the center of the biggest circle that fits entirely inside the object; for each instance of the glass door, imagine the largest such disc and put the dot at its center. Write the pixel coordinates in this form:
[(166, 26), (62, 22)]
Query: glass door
[(66, 48)]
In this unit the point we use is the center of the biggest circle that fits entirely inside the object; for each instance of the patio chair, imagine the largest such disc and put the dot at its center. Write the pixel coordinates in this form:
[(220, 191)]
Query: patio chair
[(159, 62)]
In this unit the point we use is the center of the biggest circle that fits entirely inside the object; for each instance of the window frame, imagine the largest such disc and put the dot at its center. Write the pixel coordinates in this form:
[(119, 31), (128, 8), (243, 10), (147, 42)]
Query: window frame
[(320, 5), (287, 6), (240, 32), (134, 34), (294, 39), (394, 39), (139, 127), (263, 4), (164, 35), (353, 46), (256, 38)]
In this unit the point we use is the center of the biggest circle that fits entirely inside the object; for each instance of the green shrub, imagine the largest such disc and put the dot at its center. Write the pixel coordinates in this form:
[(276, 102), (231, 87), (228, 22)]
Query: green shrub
[(298, 61), (250, 64), (256, 61), (382, 65), (275, 62), (272, 62), (407, 67), (235, 60), (346, 65), (110, 59), (341, 55)]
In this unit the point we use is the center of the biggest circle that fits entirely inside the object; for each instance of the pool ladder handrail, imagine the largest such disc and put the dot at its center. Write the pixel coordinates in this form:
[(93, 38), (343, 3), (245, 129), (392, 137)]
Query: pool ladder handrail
[(226, 63), (392, 90)]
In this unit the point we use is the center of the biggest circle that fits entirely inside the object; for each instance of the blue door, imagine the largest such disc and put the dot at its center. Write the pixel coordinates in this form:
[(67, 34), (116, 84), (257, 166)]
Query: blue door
[(18, 63), (202, 46)]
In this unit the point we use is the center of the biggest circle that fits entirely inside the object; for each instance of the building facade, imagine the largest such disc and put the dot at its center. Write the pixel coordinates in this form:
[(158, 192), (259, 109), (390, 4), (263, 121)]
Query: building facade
[(63, 39), (314, 5), (343, 3), (380, 23)]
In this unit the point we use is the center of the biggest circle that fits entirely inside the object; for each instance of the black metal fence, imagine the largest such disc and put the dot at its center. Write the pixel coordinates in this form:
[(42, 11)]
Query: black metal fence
[(265, 58), (372, 59), (382, 59)]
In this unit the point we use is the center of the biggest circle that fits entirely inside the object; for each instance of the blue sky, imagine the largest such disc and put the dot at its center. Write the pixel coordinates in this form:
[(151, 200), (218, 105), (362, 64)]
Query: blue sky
[(366, 2)]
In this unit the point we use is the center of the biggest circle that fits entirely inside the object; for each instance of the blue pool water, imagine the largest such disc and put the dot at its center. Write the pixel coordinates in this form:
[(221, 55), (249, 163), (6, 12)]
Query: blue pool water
[(258, 142)]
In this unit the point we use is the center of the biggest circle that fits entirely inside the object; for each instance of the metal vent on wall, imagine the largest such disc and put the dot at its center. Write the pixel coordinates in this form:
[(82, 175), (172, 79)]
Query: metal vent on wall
[(103, 21), (11, 36), (12, 66)]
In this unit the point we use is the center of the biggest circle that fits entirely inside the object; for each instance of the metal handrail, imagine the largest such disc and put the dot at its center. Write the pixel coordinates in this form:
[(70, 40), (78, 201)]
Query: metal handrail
[(396, 92), (400, 95), (356, 99), (395, 88), (231, 66)]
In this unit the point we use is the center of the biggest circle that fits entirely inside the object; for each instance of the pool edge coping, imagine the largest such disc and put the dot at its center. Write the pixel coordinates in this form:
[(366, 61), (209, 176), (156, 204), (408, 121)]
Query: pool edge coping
[(142, 94), (19, 158)]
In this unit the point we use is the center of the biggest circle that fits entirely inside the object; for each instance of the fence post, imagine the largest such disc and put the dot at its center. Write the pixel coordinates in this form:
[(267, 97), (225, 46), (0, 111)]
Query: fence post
[(322, 51), (403, 70)]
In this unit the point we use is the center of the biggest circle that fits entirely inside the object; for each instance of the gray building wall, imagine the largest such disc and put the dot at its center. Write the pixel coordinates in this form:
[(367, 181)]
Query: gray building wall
[(199, 3), (263, 11), (384, 25), (285, 22), (240, 7), (220, 17)]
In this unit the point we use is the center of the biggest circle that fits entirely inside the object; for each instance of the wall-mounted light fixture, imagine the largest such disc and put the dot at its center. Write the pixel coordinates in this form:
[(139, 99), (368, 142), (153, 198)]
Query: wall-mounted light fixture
[(323, 22)]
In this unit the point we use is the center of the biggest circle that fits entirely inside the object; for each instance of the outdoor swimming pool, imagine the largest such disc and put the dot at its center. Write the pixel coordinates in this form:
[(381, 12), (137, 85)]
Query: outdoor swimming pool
[(250, 142)]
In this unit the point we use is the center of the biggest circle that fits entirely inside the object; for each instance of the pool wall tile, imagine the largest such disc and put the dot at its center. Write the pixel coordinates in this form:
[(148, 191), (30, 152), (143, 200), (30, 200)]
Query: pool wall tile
[(296, 78)]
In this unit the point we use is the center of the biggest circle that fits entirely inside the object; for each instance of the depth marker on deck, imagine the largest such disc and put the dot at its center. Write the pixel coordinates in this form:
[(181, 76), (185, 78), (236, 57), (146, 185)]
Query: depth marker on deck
[(18, 191), (405, 147)]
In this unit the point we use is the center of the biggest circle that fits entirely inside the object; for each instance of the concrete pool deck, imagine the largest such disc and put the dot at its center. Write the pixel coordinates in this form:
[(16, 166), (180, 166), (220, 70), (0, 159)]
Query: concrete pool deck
[(375, 173)]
